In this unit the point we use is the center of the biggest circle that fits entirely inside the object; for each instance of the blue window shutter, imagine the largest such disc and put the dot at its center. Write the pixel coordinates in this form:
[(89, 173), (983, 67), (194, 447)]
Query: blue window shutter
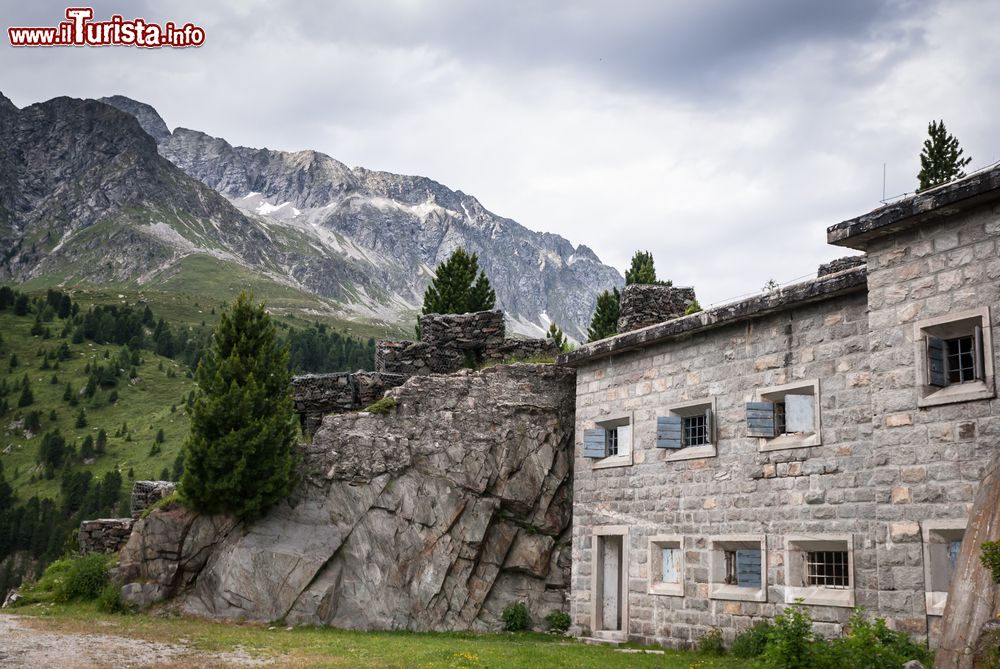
[(979, 362), (668, 432), (937, 362), (748, 568), (595, 444), (760, 419)]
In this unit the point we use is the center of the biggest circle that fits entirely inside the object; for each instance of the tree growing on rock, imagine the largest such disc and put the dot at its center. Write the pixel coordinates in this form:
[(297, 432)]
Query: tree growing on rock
[(459, 287), (941, 158), (238, 457), (557, 336)]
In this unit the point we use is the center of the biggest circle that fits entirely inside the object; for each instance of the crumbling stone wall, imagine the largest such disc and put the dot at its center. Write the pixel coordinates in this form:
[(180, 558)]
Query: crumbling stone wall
[(147, 493), (434, 516), (450, 342), (643, 305), (104, 535), (316, 395)]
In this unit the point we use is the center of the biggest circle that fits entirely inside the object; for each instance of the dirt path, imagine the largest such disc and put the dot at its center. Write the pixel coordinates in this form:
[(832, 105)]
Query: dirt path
[(21, 645)]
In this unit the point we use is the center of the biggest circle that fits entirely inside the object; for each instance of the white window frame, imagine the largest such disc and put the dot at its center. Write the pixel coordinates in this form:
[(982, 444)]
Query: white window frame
[(692, 408), (938, 533), (795, 576), (622, 459), (717, 586), (949, 326), (656, 586), (785, 441)]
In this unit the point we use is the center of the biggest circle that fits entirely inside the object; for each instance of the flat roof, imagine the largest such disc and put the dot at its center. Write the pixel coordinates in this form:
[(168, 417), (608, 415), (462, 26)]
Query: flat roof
[(929, 205), (825, 287)]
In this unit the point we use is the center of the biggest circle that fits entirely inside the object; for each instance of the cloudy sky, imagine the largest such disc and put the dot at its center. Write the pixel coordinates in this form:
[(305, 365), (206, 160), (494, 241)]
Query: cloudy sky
[(722, 135)]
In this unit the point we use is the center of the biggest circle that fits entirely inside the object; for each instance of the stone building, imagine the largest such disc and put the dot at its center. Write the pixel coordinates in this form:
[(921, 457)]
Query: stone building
[(821, 442)]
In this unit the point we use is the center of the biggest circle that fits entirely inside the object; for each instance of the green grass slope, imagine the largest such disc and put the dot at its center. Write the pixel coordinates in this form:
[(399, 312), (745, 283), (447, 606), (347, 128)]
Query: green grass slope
[(155, 399)]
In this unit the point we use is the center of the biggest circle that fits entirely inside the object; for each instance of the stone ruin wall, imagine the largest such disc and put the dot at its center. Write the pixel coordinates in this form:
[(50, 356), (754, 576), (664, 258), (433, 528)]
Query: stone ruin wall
[(450, 342), (643, 305), (109, 535)]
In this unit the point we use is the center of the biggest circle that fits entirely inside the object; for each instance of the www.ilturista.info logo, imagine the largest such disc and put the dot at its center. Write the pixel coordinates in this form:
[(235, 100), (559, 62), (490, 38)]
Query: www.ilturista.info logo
[(80, 30)]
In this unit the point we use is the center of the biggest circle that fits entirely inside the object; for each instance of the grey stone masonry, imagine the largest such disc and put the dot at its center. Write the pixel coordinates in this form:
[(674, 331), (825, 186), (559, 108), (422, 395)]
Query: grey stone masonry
[(147, 493), (643, 305), (316, 395), (104, 535), (841, 264), (450, 342), (883, 477)]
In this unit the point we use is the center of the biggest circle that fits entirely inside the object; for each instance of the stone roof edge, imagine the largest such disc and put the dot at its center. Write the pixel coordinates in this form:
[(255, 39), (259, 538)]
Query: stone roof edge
[(789, 297), (935, 203)]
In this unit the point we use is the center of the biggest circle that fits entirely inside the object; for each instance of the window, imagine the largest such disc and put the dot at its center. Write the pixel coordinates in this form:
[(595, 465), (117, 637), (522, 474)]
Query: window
[(942, 546), (666, 565), (820, 570), (954, 357), (609, 443), (738, 568), (611, 440), (827, 569), (785, 416), (687, 431)]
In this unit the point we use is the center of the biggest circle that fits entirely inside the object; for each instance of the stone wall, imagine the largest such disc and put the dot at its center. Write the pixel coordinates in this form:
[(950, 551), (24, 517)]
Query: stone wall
[(104, 535), (316, 395), (927, 460), (739, 490), (147, 493), (644, 305), (450, 342), (840, 264), (434, 516), (891, 474)]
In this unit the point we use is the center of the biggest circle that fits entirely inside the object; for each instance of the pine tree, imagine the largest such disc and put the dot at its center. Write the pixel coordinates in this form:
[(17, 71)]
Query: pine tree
[(642, 270), (27, 397), (81, 418), (605, 320), (557, 337), (238, 457), (941, 159), (459, 287)]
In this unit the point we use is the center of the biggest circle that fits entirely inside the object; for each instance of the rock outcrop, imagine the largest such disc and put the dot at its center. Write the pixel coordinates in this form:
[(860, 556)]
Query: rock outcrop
[(434, 516), (968, 631)]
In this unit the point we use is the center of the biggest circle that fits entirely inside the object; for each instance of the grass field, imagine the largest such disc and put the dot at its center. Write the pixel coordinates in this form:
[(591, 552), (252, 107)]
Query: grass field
[(325, 647)]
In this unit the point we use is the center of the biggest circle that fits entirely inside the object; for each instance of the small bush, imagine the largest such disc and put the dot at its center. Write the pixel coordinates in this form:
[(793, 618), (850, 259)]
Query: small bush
[(791, 643), (110, 599), (710, 642), (752, 641), (515, 617), (558, 621), (86, 578), (990, 557)]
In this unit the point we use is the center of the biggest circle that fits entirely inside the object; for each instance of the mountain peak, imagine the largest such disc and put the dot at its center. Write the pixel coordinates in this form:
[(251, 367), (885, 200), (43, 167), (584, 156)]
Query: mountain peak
[(6, 105), (147, 116)]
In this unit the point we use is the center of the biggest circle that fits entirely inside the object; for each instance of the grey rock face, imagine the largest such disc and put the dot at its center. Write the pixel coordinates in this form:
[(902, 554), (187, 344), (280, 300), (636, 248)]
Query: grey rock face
[(148, 117), (434, 516)]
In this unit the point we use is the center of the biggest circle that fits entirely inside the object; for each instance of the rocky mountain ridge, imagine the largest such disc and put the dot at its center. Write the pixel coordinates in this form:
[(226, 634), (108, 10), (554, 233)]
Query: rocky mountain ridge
[(401, 226), (91, 194)]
